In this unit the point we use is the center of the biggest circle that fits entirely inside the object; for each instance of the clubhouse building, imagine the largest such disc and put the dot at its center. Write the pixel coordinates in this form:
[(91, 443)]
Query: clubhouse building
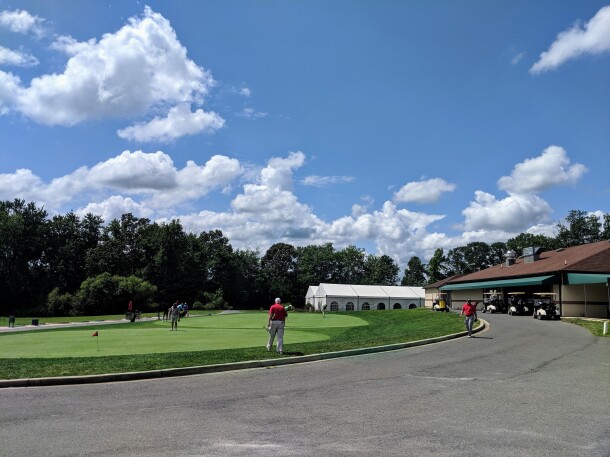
[(577, 279)]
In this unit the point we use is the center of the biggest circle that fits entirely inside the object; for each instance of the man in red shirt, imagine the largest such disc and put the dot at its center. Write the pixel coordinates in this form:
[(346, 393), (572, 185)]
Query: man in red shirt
[(275, 324), (470, 311)]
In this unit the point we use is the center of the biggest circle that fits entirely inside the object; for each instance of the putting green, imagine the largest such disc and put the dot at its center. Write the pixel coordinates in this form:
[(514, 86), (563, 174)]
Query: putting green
[(218, 331)]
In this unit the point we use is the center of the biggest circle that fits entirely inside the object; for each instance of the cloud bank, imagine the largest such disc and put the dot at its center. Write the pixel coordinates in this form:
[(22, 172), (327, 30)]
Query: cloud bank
[(140, 71), (267, 208)]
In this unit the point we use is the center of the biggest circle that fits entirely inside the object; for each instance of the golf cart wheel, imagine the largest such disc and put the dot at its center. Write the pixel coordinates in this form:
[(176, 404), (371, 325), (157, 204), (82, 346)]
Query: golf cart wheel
[(539, 316)]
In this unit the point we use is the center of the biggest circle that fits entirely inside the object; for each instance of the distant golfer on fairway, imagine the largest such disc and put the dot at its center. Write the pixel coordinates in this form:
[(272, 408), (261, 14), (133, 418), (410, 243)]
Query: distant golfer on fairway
[(275, 324), (174, 315)]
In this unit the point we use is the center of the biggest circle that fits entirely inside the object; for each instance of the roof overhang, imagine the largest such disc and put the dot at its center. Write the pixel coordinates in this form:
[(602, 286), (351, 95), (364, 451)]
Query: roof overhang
[(514, 282), (588, 278)]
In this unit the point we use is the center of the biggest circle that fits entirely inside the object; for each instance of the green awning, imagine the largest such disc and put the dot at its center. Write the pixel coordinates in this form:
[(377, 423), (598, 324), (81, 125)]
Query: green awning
[(531, 281), (588, 278)]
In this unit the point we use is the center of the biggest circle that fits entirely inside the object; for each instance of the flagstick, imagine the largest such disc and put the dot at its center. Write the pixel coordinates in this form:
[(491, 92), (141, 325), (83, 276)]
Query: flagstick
[(97, 338)]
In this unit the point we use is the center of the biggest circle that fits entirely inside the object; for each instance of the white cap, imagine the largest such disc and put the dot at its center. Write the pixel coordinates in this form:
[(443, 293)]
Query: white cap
[(277, 300)]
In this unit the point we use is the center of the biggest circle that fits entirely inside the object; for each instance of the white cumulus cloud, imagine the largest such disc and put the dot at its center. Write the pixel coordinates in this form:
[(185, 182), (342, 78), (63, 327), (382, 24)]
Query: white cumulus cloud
[(20, 21), (425, 191), (139, 70), (16, 58), (512, 214), (267, 210), (551, 168), (150, 175), (180, 121), (114, 207), (593, 38)]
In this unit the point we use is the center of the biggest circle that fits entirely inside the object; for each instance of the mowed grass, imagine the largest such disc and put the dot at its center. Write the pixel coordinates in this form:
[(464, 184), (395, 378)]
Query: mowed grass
[(595, 327), (207, 340), (203, 333)]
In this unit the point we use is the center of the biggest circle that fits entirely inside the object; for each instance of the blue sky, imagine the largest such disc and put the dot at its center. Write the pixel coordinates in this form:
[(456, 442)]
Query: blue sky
[(396, 126)]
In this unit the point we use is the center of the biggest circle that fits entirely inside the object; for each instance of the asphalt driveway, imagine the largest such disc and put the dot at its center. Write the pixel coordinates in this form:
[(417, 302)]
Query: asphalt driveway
[(522, 388)]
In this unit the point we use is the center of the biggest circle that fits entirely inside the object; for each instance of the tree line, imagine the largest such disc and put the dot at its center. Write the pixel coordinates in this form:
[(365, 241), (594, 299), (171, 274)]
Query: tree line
[(68, 264)]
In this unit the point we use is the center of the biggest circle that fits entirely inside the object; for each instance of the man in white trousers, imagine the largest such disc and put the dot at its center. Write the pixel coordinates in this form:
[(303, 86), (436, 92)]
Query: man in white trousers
[(275, 324)]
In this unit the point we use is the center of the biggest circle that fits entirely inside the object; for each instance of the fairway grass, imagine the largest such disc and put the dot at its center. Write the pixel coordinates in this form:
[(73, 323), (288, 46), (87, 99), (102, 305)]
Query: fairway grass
[(204, 333), (206, 340)]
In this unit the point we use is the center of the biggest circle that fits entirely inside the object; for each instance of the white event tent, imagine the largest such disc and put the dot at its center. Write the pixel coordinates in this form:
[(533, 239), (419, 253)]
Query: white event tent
[(350, 297)]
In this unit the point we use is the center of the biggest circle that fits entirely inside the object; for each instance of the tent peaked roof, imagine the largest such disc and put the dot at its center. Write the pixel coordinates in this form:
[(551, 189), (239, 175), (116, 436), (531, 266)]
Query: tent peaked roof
[(369, 291), (404, 291), (344, 290)]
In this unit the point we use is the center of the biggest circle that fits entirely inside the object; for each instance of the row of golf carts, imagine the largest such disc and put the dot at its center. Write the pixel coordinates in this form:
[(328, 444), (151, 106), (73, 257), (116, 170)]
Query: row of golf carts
[(540, 305)]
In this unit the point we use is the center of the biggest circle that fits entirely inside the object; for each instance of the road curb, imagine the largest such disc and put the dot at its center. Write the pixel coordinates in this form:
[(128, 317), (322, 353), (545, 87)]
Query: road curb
[(189, 371)]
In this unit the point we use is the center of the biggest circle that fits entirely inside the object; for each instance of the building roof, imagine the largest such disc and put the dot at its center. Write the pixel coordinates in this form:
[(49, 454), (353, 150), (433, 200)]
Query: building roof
[(585, 258), (311, 291), (404, 291), (442, 282), (336, 290), (368, 291)]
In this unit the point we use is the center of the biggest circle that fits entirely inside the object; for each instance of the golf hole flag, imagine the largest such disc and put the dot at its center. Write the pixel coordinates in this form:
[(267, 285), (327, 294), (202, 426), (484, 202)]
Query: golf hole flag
[(97, 340)]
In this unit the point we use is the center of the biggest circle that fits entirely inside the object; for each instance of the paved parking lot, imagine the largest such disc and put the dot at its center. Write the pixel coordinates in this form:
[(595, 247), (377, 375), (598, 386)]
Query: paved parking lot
[(523, 388)]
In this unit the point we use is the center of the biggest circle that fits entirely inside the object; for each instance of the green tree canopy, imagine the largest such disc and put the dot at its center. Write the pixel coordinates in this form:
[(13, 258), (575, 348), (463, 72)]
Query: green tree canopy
[(581, 228), (415, 273), (381, 270)]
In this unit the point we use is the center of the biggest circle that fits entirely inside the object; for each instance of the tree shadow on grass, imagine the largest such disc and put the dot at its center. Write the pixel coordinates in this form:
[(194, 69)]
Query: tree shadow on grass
[(293, 354)]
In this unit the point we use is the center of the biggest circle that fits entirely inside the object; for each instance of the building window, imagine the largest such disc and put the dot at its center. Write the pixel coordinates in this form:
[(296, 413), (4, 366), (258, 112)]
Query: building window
[(397, 306), (380, 305), (412, 306), (334, 306), (366, 306), (349, 306)]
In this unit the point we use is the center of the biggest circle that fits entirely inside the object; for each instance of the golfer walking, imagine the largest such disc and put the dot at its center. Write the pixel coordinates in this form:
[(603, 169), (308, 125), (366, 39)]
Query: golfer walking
[(174, 315), (470, 311), (275, 324)]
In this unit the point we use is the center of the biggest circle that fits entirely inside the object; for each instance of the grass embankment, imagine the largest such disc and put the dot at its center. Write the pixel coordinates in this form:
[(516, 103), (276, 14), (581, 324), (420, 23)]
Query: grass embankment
[(595, 327), (306, 333)]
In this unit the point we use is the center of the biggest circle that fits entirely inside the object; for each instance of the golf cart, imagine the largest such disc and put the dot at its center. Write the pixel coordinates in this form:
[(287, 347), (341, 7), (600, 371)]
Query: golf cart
[(493, 303), (440, 303), (545, 306), (517, 304)]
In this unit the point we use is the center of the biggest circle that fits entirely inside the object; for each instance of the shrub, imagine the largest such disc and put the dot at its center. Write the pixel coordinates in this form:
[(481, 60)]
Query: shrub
[(215, 300), (107, 294), (59, 304)]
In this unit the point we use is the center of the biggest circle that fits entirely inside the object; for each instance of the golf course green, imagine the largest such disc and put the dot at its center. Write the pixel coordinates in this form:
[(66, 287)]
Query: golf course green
[(207, 339), (198, 333)]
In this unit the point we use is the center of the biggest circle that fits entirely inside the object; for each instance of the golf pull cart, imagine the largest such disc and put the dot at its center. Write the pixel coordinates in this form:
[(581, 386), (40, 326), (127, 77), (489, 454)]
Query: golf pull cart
[(440, 303), (493, 303), (518, 305), (545, 306)]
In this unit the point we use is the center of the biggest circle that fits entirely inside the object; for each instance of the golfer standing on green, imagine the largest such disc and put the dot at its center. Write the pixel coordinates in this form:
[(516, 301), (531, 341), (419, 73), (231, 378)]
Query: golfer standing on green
[(174, 315), (275, 324)]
